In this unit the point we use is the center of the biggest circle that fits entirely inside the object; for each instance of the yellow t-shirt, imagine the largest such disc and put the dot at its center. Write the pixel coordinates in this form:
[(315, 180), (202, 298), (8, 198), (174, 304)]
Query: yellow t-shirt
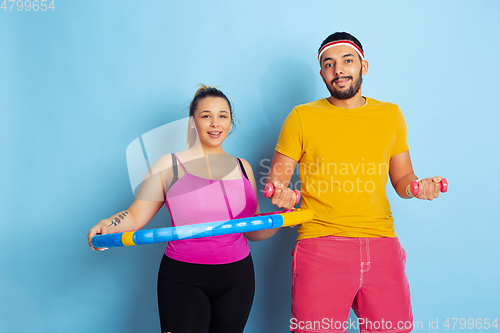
[(343, 157)]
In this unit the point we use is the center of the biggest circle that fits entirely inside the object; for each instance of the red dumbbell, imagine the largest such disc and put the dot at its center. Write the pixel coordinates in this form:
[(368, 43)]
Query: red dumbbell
[(269, 191), (414, 186)]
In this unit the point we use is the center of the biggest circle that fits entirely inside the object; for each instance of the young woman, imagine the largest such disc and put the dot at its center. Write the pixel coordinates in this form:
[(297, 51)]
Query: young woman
[(205, 284)]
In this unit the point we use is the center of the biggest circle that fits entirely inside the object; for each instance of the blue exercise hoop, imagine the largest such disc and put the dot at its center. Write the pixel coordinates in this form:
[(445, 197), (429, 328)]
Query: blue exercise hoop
[(258, 222)]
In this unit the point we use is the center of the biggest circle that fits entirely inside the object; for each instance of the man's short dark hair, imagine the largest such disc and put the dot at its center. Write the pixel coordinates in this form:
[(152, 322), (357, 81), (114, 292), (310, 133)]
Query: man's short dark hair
[(341, 36)]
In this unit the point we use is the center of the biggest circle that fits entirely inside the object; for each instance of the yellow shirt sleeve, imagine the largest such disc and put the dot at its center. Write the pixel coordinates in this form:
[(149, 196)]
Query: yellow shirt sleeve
[(401, 144), (290, 140)]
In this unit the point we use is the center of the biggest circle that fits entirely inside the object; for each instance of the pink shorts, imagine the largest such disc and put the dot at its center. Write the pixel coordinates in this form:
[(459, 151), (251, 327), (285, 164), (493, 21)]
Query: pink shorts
[(332, 274)]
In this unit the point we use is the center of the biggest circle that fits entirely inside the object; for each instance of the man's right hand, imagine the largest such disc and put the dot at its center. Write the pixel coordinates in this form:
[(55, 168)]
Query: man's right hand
[(283, 197)]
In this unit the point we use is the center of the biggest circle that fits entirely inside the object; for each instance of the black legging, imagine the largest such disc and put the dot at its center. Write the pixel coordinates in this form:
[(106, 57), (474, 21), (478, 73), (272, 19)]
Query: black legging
[(198, 298)]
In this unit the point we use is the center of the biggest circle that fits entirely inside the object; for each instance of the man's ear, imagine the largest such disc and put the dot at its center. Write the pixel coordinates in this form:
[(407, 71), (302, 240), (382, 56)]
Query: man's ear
[(364, 67), (321, 74)]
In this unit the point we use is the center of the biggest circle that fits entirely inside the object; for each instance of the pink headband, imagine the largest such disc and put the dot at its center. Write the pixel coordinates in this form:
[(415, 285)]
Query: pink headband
[(340, 42)]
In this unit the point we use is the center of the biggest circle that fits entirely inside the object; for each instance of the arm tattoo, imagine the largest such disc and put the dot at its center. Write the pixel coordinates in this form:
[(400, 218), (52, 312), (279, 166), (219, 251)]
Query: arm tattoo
[(117, 220)]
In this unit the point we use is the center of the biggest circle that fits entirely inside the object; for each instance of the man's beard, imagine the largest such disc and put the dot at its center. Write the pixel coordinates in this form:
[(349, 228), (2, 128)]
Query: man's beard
[(350, 92)]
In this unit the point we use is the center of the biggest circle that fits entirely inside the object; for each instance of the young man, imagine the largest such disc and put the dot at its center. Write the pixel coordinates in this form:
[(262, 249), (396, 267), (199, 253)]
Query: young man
[(349, 255)]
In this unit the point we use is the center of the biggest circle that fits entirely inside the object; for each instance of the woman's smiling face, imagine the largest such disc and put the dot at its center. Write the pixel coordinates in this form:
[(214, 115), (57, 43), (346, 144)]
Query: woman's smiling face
[(212, 119)]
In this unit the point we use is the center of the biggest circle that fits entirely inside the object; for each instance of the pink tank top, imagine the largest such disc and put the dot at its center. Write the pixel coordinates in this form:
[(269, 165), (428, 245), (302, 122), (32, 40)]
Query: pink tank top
[(193, 199)]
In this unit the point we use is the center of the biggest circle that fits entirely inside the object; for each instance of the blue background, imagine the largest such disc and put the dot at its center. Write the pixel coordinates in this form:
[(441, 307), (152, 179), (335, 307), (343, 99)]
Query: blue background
[(80, 83)]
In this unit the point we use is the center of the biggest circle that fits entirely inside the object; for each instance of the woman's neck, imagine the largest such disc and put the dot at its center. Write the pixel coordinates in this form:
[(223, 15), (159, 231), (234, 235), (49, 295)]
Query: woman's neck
[(200, 150)]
